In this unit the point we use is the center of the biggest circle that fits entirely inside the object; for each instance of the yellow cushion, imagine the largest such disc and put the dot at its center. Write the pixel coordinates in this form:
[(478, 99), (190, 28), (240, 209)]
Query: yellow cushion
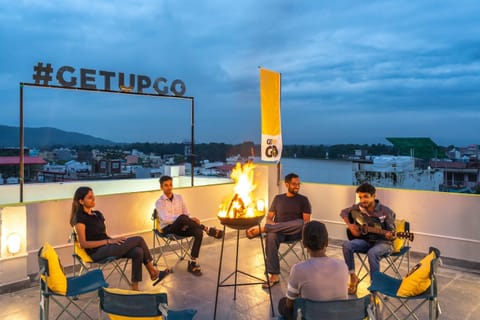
[(127, 292), (82, 253), (57, 281), (398, 243), (418, 280), (117, 317)]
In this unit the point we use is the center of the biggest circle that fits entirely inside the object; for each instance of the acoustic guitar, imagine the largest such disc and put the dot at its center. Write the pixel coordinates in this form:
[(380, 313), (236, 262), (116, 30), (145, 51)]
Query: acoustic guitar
[(364, 229)]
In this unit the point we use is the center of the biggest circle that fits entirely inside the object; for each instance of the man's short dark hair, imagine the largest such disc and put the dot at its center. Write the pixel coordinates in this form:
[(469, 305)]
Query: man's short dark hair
[(315, 235), (165, 178), (290, 176), (366, 188)]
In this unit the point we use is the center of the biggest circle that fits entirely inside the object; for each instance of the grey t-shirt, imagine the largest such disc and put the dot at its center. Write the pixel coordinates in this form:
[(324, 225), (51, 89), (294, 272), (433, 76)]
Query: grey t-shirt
[(290, 208), (321, 278)]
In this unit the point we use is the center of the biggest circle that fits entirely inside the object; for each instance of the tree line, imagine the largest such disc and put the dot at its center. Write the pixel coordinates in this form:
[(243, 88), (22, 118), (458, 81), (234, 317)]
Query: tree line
[(220, 151)]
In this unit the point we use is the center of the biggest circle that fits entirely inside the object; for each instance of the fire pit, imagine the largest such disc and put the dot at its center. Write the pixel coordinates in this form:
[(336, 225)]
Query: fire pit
[(241, 223), (241, 212)]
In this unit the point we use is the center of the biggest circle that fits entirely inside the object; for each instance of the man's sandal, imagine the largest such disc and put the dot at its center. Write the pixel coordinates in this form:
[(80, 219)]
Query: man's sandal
[(214, 232), (272, 283), (194, 268), (352, 287)]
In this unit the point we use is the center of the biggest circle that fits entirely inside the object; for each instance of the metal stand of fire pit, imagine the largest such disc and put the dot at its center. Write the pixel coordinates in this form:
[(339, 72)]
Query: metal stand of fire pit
[(236, 271)]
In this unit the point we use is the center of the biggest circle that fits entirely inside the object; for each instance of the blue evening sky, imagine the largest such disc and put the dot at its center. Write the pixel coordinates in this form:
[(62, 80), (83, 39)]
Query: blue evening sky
[(352, 71)]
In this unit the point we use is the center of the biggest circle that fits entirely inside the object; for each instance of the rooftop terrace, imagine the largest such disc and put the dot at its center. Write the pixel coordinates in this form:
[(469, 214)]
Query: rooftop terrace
[(458, 289), (446, 221)]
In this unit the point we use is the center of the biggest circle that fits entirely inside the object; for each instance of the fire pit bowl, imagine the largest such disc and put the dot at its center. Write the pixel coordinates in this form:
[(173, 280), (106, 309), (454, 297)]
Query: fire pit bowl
[(241, 223)]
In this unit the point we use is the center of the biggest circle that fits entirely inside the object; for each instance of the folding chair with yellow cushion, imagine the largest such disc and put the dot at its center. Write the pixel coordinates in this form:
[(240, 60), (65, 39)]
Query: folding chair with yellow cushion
[(108, 265), (125, 304), (168, 242), (394, 260), (291, 244), (56, 286), (419, 286), (401, 248), (350, 309)]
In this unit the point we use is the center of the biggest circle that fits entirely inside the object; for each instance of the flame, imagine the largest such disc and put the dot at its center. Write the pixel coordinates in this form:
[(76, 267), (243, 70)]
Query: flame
[(241, 204)]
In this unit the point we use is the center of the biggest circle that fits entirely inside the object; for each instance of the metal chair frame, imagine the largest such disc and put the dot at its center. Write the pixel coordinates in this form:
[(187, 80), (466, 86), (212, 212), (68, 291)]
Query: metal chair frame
[(88, 282), (379, 290), (394, 260), (169, 242), (290, 247), (118, 265), (140, 305), (349, 309)]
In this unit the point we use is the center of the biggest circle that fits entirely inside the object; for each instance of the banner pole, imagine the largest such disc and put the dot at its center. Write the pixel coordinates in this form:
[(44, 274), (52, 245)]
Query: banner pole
[(279, 167), (21, 167)]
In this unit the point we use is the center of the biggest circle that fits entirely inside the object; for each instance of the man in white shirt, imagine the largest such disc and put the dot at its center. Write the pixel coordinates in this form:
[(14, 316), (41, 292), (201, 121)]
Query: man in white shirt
[(175, 218)]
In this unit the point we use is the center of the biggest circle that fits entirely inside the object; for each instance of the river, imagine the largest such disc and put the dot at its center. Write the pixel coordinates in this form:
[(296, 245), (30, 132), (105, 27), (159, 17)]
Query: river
[(319, 170)]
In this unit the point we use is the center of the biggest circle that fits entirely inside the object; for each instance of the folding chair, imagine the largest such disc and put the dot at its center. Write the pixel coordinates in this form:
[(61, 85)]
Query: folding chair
[(126, 304), (395, 259), (418, 287), (350, 309), (109, 265), (168, 242), (56, 286), (401, 249), (291, 243)]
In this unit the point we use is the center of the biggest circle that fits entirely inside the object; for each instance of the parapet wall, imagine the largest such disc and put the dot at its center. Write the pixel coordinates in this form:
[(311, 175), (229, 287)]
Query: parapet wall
[(444, 220)]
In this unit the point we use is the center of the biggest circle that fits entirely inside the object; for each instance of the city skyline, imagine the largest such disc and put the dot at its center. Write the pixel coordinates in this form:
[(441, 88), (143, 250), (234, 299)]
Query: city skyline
[(351, 72)]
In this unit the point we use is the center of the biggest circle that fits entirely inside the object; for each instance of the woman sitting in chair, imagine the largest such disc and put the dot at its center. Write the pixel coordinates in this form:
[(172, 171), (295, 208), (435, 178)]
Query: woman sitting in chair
[(91, 232), (319, 278)]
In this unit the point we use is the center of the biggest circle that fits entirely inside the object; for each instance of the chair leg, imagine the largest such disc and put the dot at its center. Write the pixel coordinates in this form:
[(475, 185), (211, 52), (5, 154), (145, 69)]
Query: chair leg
[(434, 309), (373, 309), (44, 306), (179, 246), (161, 253), (363, 267), (291, 248), (120, 267), (393, 262)]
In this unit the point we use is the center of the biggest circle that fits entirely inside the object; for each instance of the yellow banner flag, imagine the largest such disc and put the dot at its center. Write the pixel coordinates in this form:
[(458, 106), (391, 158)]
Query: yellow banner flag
[(270, 89)]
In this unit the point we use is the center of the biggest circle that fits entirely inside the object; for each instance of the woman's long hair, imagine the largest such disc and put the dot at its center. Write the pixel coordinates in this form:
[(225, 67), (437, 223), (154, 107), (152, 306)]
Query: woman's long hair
[(80, 194)]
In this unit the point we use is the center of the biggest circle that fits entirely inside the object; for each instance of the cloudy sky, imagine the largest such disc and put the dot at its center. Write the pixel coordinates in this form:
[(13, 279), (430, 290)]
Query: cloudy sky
[(352, 71)]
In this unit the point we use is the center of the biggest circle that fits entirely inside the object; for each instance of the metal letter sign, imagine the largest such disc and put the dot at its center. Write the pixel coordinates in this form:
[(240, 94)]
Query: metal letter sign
[(90, 78)]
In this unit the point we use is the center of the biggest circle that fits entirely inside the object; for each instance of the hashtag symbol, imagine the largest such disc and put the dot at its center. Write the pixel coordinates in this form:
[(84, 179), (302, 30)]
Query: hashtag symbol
[(42, 74)]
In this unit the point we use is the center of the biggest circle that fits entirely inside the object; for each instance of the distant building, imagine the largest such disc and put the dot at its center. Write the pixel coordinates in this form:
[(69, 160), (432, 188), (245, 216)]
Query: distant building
[(458, 175), (396, 172), (108, 167), (131, 159), (10, 167), (174, 171)]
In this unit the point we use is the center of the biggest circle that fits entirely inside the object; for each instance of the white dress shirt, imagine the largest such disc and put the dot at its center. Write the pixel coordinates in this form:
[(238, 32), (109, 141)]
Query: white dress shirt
[(169, 210)]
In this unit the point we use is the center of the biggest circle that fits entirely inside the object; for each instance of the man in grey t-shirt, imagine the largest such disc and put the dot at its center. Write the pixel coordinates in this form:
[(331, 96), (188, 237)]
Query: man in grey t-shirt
[(287, 214)]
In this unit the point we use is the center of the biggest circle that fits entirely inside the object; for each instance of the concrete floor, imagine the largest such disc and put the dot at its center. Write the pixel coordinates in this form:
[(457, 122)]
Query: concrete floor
[(458, 289)]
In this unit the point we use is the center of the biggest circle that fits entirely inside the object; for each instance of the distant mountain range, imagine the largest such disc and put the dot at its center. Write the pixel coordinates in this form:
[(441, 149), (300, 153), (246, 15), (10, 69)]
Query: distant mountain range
[(45, 137)]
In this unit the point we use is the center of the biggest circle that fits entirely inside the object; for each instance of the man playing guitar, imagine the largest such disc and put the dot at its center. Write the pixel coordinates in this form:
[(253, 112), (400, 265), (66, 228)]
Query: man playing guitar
[(371, 229)]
